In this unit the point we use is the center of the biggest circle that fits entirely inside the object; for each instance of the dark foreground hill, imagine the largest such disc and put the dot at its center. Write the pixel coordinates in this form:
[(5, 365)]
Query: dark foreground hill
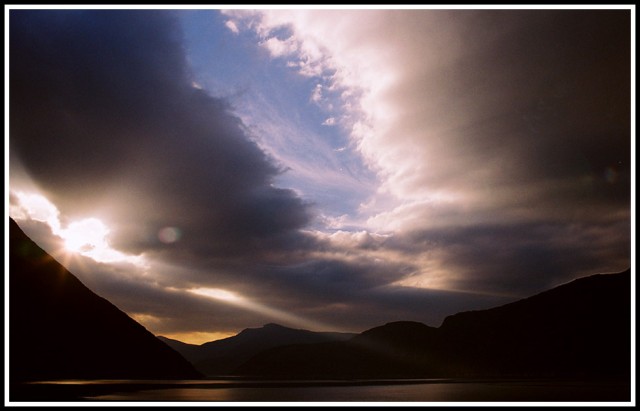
[(59, 329), (578, 330), (222, 357)]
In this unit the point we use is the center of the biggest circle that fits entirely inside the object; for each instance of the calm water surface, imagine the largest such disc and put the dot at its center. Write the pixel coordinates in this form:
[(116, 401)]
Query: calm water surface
[(346, 391)]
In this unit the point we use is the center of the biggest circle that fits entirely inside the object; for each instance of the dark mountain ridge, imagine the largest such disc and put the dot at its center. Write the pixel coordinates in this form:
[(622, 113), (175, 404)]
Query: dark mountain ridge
[(580, 329), (59, 329), (221, 357)]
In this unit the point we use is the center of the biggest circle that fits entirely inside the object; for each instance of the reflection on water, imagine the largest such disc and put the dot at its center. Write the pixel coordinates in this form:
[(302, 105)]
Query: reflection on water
[(438, 392), (229, 390), (345, 391)]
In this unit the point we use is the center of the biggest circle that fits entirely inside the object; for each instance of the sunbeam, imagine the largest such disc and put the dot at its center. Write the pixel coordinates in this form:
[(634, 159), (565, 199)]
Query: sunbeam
[(274, 314)]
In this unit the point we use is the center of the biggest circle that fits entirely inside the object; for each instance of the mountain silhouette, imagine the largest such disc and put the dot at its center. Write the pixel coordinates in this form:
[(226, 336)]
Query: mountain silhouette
[(221, 357), (59, 329), (581, 330)]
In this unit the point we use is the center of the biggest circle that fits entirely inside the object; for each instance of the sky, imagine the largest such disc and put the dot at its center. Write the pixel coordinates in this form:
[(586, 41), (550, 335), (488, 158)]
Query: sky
[(210, 170)]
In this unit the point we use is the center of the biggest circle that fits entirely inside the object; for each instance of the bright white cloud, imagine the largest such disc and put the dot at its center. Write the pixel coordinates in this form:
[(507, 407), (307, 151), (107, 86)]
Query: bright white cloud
[(362, 67), (279, 48), (433, 111), (409, 119), (35, 207), (232, 26), (316, 96)]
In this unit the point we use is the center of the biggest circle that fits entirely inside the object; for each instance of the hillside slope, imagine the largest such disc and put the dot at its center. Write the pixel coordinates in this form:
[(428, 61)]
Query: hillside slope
[(59, 329)]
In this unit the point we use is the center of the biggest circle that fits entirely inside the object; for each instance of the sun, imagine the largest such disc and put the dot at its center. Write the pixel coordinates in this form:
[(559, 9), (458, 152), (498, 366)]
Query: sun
[(89, 238), (85, 236)]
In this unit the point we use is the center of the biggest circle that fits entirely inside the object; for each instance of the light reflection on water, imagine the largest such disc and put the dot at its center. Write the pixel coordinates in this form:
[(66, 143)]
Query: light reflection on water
[(130, 382), (425, 391)]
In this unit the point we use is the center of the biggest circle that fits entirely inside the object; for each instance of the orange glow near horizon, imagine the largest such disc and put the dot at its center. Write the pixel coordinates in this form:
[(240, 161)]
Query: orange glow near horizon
[(198, 337)]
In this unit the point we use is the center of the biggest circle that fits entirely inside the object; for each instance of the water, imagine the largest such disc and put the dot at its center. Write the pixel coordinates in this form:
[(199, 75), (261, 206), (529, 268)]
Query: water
[(330, 391)]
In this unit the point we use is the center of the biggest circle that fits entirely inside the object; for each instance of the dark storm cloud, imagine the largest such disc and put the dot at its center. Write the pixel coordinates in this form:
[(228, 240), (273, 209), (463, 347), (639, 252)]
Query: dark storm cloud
[(331, 280), (522, 259), (524, 97), (521, 121), (528, 115), (105, 119), (570, 88), (558, 139)]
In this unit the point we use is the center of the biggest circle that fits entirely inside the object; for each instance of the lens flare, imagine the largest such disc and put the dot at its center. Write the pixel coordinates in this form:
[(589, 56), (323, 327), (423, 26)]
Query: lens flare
[(169, 235)]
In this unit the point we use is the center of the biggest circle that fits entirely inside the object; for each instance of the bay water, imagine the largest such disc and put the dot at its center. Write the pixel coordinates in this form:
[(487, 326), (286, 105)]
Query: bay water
[(432, 390)]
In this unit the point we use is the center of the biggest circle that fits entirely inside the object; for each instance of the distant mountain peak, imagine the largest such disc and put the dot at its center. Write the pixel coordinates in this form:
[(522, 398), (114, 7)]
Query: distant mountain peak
[(274, 326), (222, 357), (405, 324)]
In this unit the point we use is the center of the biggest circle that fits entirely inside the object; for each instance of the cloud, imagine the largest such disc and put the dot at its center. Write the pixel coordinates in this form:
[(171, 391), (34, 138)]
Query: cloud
[(485, 118), (500, 140), (106, 124), (121, 131), (232, 26), (333, 183), (278, 47), (515, 96), (331, 121), (519, 259), (316, 96)]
